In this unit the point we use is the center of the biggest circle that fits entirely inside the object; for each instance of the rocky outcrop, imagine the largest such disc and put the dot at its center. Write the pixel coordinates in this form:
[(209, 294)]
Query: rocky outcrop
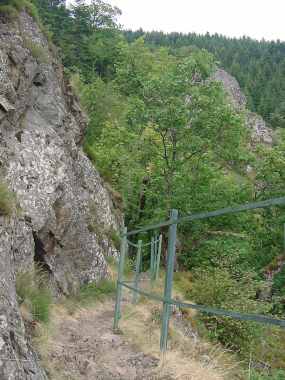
[(260, 133), (232, 88), (58, 190), (17, 359)]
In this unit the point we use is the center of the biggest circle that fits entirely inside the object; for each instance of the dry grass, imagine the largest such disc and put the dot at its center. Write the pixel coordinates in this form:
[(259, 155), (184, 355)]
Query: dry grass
[(45, 342), (185, 358), (188, 357)]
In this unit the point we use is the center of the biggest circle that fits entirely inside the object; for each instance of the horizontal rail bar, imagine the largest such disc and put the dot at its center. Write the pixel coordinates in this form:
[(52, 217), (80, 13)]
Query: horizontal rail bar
[(210, 214), (136, 245), (209, 310)]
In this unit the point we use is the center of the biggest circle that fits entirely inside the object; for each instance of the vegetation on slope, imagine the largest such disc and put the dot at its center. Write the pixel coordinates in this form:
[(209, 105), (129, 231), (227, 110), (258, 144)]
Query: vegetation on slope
[(34, 297), (166, 137), (259, 66), (11, 8)]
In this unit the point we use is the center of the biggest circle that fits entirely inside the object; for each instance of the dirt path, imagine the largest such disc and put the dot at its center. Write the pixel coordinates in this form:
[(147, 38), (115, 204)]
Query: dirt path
[(84, 347), (81, 345)]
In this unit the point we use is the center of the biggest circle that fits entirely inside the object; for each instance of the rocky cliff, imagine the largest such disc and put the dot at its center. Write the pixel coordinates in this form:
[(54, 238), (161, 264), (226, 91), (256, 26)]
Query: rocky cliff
[(260, 133), (64, 210)]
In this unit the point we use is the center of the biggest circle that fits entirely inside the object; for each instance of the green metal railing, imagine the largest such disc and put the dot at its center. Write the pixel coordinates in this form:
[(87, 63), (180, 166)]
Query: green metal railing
[(155, 256)]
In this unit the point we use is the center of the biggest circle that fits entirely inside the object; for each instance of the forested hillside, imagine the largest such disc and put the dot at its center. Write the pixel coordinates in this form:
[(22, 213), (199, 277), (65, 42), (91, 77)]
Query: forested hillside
[(259, 66), (165, 135)]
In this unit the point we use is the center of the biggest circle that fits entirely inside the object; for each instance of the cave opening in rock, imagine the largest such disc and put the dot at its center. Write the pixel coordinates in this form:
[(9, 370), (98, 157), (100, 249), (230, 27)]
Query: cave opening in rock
[(40, 253)]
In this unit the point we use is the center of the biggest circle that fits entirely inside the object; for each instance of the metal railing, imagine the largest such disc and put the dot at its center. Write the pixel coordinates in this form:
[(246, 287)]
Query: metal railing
[(155, 262)]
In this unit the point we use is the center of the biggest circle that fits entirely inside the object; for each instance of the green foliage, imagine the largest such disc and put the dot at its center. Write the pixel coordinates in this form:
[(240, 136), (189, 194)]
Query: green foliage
[(276, 375), (218, 289), (164, 136), (257, 65), (7, 200), (112, 261), (102, 102), (183, 282), (231, 251), (33, 292), (86, 34), (96, 291), (90, 294), (11, 8), (279, 282)]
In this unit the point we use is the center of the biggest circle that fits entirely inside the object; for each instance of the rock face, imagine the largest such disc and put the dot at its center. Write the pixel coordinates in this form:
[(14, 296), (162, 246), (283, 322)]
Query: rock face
[(61, 195), (260, 133)]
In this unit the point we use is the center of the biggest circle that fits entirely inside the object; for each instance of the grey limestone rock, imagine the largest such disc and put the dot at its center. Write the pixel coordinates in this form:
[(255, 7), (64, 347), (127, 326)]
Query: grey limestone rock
[(56, 186), (260, 133)]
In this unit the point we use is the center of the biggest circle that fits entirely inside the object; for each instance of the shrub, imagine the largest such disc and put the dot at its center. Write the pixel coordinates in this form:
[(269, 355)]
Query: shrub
[(93, 292), (7, 200), (96, 291), (216, 288), (277, 375), (32, 291), (229, 252), (279, 282)]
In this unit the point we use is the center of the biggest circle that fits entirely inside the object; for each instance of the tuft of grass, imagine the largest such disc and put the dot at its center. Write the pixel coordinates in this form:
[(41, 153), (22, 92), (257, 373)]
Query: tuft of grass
[(141, 325), (90, 294), (33, 294), (276, 375), (96, 291), (183, 283), (7, 200), (37, 51), (9, 11), (111, 260)]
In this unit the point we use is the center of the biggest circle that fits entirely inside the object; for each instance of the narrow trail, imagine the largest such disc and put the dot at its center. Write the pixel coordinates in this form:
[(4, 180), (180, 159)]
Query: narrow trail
[(84, 347)]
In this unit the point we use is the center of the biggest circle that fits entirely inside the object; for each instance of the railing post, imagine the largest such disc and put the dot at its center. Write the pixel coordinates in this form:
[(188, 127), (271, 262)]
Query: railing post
[(168, 281), (152, 258), (121, 265), (284, 237), (137, 274), (158, 257)]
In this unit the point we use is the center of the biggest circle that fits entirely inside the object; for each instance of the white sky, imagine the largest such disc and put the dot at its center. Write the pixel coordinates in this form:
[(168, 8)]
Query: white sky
[(255, 18)]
